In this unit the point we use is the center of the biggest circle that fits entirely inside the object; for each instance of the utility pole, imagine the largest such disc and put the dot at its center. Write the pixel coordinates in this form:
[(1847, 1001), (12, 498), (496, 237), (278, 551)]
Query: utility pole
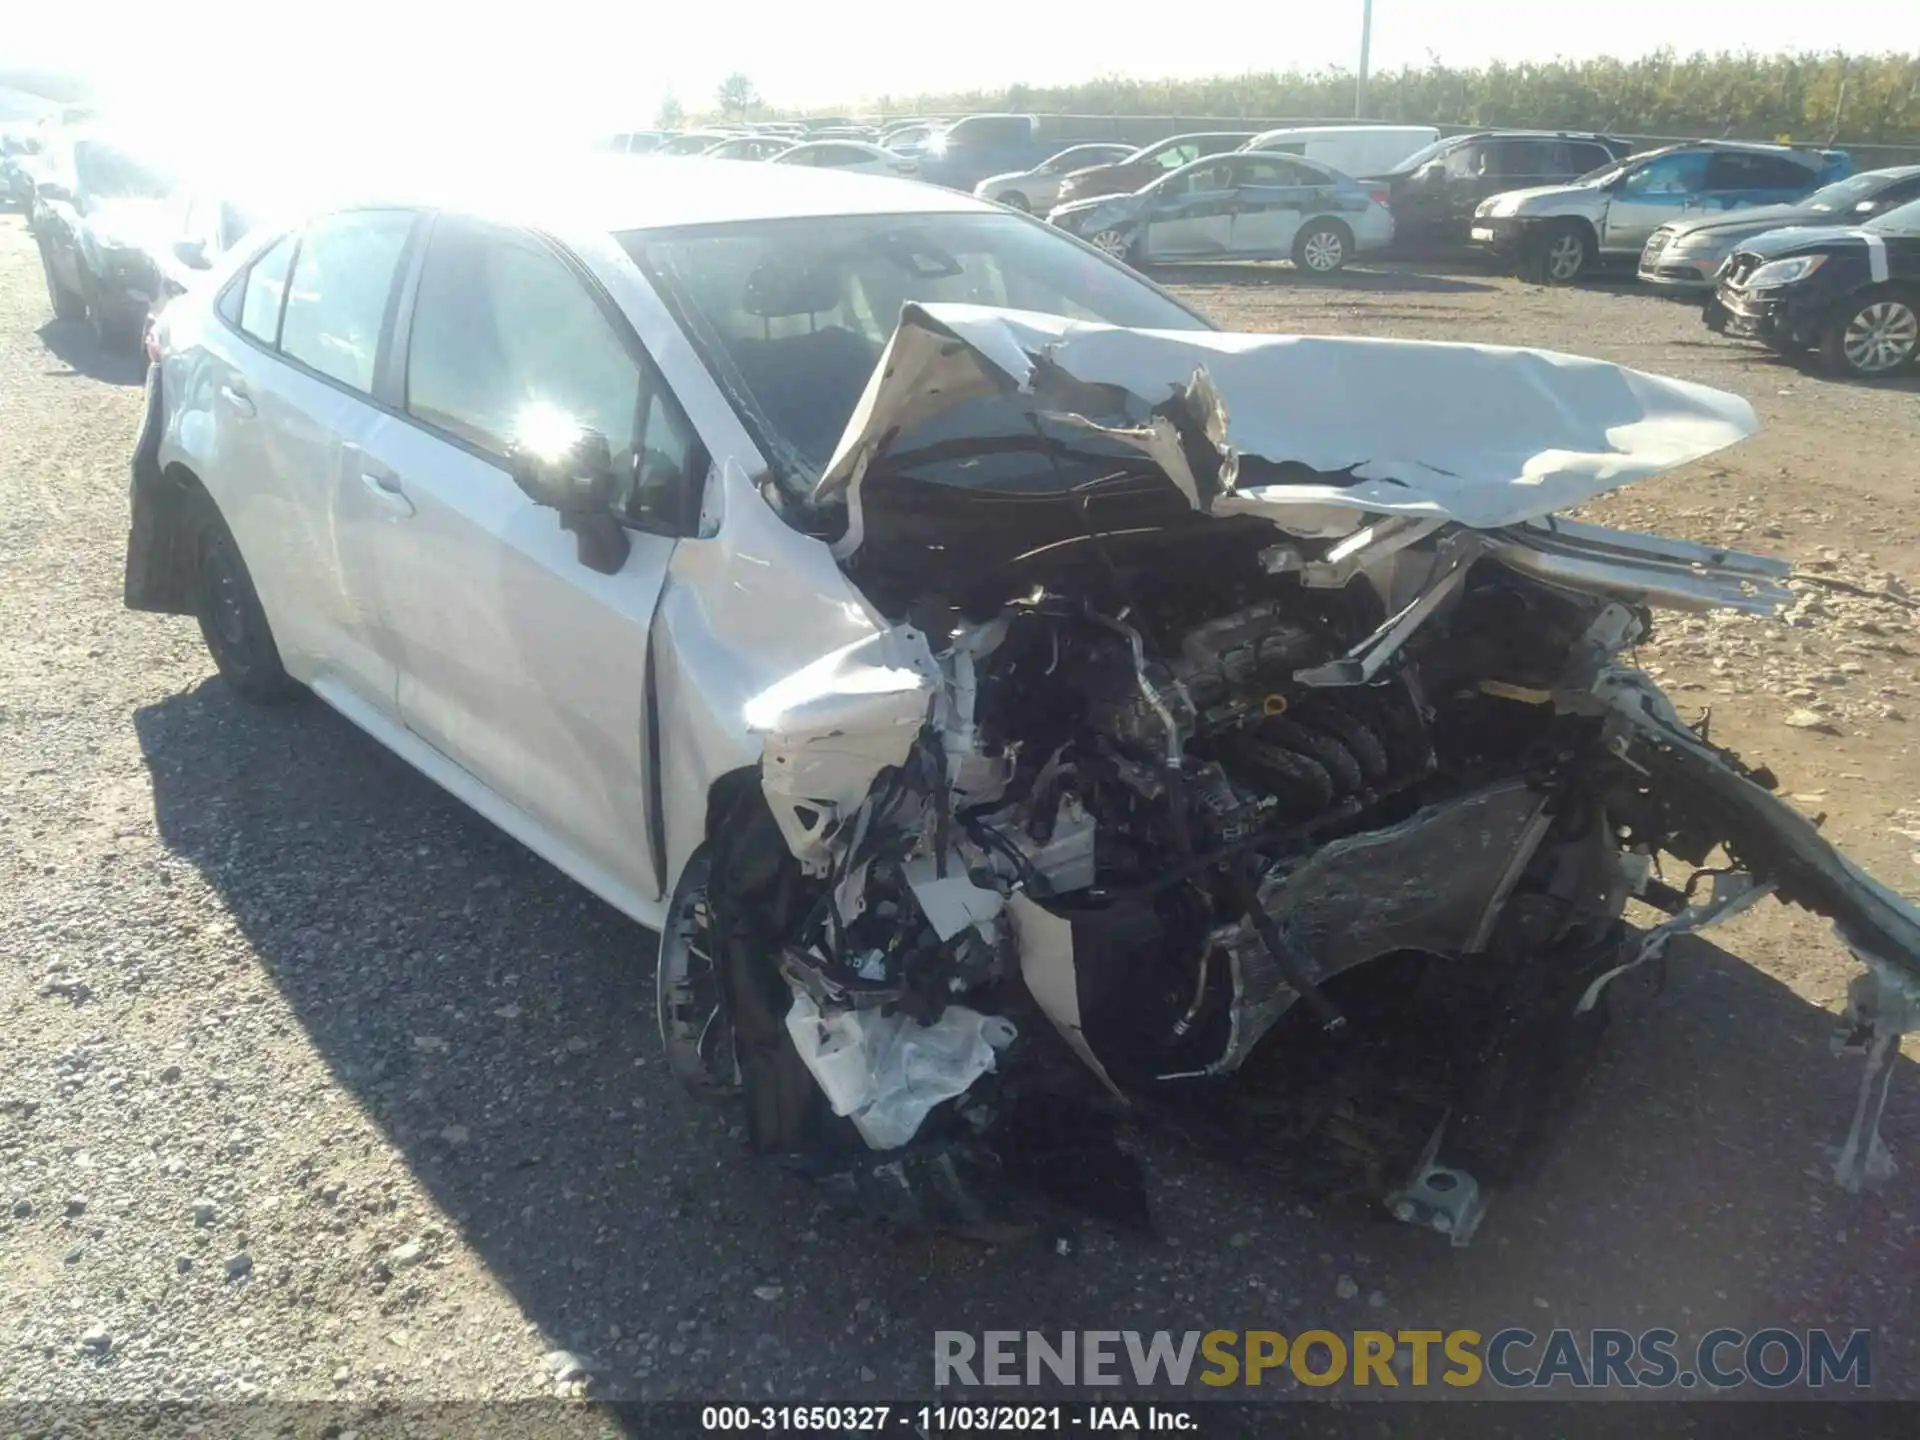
[(1366, 45)]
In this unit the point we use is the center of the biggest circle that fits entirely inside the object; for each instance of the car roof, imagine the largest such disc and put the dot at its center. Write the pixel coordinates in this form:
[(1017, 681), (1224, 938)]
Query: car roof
[(1196, 135), (613, 193), (1502, 133), (1808, 153), (1345, 130)]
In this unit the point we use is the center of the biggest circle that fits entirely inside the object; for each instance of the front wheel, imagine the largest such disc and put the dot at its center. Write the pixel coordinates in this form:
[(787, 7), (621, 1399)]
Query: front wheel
[(1014, 200), (1116, 243), (67, 305), (1873, 335), (1321, 248), (1562, 255), (232, 621), (111, 332)]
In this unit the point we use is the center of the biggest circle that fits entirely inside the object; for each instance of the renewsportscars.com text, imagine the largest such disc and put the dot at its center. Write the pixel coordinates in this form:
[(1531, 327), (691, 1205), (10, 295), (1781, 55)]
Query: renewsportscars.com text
[(1513, 1358)]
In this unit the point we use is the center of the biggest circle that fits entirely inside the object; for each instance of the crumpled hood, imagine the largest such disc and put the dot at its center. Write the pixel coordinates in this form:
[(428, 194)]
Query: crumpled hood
[(1777, 242), (1482, 435)]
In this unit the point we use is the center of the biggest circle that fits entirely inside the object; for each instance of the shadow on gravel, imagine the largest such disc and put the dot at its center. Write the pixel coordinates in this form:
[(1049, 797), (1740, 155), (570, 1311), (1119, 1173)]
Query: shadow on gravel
[(495, 1022), (71, 342), (1383, 282)]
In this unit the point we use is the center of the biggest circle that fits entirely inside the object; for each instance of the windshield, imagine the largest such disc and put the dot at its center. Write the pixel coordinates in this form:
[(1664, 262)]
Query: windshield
[(1605, 174), (1901, 220), (791, 315), (1423, 155), (109, 174), (1844, 194)]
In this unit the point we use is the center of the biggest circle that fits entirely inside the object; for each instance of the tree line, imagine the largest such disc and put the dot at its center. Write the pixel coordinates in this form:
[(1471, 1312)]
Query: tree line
[(1806, 97)]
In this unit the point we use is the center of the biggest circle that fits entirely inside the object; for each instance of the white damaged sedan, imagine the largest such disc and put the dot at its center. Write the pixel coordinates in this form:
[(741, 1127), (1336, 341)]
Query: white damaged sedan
[(1025, 711)]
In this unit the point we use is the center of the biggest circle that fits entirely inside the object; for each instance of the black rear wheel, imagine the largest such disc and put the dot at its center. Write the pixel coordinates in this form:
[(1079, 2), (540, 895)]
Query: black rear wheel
[(67, 305), (231, 618)]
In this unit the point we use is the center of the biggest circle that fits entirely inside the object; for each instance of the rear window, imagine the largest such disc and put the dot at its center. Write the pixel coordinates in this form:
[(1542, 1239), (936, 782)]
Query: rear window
[(106, 172), (990, 130)]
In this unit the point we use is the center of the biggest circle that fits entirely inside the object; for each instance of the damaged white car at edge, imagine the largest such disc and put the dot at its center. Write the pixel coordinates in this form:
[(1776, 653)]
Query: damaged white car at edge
[(931, 835), (1024, 732)]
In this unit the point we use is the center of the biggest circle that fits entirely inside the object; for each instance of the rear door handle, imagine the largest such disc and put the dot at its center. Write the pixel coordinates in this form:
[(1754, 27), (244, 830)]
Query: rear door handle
[(236, 396), (385, 487)]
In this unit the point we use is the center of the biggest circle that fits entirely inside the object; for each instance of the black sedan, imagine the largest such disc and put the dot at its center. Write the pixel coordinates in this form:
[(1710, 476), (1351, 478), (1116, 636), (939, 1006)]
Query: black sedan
[(1850, 293)]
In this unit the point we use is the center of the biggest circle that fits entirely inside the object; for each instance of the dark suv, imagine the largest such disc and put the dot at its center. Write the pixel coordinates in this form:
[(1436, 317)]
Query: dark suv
[(1433, 191)]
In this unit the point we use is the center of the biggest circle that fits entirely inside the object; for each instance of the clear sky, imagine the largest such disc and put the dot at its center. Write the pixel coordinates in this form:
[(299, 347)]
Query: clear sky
[(369, 63)]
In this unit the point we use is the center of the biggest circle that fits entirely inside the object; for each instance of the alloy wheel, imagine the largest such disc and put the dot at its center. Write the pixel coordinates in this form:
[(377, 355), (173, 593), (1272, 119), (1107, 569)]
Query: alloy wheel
[(1112, 242), (1565, 256), (1324, 251), (1881, 337)]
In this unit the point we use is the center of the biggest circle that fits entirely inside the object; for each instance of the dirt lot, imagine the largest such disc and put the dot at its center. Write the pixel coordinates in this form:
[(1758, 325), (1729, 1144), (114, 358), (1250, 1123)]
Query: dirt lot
[(312, 1084)]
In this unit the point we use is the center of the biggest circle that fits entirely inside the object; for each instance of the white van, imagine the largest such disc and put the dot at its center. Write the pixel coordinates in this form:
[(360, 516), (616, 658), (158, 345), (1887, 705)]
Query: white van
[(1357, 150)]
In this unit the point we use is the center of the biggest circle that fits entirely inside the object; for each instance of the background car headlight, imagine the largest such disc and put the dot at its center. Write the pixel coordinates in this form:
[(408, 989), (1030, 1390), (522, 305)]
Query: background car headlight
[(1785, 272)]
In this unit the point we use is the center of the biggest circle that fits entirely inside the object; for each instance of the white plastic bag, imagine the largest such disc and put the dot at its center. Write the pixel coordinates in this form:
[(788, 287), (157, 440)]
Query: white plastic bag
[(886, 1072)]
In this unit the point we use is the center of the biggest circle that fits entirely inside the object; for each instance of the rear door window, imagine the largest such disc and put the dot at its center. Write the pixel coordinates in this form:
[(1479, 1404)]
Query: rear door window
[(1742, 170), (265, 290), (1273, 170), (337, 296), (1519, 159)]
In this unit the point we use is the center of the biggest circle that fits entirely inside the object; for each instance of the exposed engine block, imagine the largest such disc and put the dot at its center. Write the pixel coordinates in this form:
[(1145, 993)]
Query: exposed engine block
[(1229, 687)]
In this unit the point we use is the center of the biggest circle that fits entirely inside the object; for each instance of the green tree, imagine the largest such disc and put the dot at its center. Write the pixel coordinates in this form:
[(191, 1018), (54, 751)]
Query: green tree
[(737, 95), (1805, 97), (670, 113)]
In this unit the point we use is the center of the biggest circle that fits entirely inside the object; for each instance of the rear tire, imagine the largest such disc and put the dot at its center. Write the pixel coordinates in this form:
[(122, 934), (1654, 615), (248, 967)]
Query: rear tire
[(1014, 200), (1875, 334), (67, 305), (1322, 248), (231, 618)]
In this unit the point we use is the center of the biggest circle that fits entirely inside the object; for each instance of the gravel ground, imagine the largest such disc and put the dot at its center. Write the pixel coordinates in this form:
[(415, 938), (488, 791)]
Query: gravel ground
[(314, 1085)]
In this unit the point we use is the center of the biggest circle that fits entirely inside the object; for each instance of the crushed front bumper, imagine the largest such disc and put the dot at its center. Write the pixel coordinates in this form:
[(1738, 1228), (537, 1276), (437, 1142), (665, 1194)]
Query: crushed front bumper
[(1783, 318)]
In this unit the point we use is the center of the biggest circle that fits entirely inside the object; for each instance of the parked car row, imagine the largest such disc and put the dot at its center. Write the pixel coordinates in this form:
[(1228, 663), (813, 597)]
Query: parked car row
[(1556, 233), (1850, 294)]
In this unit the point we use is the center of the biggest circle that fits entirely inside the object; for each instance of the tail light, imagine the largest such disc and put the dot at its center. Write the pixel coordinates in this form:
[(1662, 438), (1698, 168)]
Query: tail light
[(1380, 195)]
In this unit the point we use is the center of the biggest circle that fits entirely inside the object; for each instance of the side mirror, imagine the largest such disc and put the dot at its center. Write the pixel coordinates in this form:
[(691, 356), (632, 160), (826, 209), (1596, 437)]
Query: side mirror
[(577, 480), (53, 190), (191, 253), (1431, 171)]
